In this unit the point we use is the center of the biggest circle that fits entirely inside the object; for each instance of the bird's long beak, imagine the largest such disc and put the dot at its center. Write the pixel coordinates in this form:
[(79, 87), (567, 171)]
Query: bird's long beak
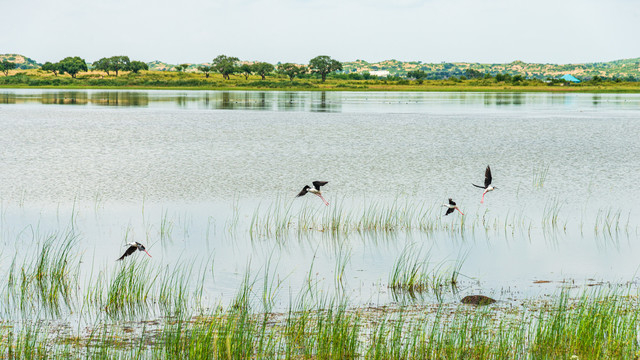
[(148, 253)]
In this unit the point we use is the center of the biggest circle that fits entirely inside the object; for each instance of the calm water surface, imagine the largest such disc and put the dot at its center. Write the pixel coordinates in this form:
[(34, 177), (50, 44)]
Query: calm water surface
[(186, 172)]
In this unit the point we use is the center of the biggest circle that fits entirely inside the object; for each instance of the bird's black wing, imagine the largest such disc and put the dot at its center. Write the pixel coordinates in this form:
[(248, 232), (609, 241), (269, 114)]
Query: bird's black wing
[(487, 177), (481, 187), (304, 191), (129, 251), (317, 184), (451, 202), (449, 211)]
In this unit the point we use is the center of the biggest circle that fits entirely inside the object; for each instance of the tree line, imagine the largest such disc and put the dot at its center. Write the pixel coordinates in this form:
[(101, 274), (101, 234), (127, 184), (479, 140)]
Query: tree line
[(74, 65), (229, 65), (320, 65), (223, 64)]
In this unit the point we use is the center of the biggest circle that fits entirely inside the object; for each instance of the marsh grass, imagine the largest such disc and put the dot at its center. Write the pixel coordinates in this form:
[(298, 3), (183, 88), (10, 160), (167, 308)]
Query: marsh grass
[(600, 323), (608, 222), (166, 227), (550, 217), (317, 325), (540, 176), (282, 218), (412, 273), (46, 279), (126, 293)]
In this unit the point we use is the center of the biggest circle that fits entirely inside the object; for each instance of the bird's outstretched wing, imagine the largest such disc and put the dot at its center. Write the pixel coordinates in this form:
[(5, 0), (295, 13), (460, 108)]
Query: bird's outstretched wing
[(481, 187), (304, 191), (129, 251), (449, 211), (451, 202), (317, 184), (487, 177)]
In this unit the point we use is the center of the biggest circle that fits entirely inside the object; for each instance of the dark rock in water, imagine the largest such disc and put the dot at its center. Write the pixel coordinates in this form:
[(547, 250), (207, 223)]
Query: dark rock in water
[(477, 300)]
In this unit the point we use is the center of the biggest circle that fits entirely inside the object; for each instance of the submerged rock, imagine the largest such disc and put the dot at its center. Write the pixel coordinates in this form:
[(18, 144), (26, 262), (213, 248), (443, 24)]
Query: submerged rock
[(477, 300)]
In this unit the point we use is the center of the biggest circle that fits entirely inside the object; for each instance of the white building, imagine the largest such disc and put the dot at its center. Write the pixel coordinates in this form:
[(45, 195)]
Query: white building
[(381, 73)]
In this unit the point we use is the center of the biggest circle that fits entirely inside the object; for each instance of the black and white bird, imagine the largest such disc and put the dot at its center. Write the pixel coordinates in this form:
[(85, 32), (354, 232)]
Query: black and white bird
[(487, 183), (132, 248), (314, 190), (451, 206)]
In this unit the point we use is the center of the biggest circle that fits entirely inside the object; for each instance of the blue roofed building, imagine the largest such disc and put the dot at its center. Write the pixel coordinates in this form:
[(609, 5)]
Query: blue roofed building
[(570, 78)]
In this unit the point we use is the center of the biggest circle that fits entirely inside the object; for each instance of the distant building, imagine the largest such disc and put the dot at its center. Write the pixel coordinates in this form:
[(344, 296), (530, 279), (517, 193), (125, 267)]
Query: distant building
[(381, 73), (570, 78)]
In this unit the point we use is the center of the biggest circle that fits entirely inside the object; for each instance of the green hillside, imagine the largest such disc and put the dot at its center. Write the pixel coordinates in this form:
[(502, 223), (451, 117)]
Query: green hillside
[(613, 69), (23, 62)]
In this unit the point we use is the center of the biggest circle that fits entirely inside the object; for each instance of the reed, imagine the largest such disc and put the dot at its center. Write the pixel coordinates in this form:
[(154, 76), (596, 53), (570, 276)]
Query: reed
[(128, 291), (540, 176), (46, 279), (551, 213), (595, 324)]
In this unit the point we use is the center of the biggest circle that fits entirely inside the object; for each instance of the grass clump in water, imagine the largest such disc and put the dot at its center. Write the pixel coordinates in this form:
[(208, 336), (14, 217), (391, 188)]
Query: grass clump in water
[(46, 279)]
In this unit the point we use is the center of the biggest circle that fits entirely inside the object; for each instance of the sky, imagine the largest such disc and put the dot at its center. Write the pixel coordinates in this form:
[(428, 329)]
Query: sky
[(431, 31)]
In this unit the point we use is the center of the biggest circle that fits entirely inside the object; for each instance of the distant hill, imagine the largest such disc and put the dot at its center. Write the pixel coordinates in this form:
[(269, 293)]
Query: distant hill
[(22, 61), (618, 68), (623, 69)]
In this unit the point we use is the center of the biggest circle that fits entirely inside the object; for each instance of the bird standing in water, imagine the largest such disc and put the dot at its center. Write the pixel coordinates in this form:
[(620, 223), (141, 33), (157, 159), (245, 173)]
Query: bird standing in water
[(487, 183), (132, 248), (451, 206), (314, 190)]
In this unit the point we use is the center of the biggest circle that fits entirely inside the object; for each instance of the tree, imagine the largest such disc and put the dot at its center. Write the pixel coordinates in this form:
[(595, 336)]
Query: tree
[(48, 66), (225, 65), (205, 69), (6, 65), (324, 65), (103, 64), (246, 69), (182, 67), (418, 75), (517, 78), (118, 63), (136, 66), (262, 69), (72, 65), (291, 70), (473, 74), (503, 77)]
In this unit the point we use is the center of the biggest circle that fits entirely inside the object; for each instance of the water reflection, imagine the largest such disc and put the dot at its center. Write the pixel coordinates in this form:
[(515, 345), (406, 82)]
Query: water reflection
[(66, 98), (320, 101), (504, 99), (118, 98)]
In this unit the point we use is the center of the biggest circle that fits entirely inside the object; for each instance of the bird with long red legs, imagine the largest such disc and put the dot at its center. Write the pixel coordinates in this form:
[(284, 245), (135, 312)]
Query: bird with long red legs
[(133, 246), (487, 183), (451, 206), (314, 190)]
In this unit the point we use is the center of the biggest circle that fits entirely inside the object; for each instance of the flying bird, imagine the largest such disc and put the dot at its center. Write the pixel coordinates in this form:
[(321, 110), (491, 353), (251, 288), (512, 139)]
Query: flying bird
[(487, 183), (314, 190), (451, 206), (132, 248)]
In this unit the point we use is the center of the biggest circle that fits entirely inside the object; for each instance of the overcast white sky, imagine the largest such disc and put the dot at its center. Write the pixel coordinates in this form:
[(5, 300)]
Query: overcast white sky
[(194, 31)]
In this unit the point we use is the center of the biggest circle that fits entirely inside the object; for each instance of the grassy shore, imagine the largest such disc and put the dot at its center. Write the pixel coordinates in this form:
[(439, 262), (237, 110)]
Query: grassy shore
[(198, 81)]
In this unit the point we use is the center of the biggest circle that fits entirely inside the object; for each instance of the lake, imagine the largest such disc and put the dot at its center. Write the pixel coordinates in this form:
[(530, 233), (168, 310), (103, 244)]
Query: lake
[(209, 179)]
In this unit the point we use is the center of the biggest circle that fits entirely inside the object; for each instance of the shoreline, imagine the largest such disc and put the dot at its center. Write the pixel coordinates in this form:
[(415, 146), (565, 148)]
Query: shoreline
[(510, 89)]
